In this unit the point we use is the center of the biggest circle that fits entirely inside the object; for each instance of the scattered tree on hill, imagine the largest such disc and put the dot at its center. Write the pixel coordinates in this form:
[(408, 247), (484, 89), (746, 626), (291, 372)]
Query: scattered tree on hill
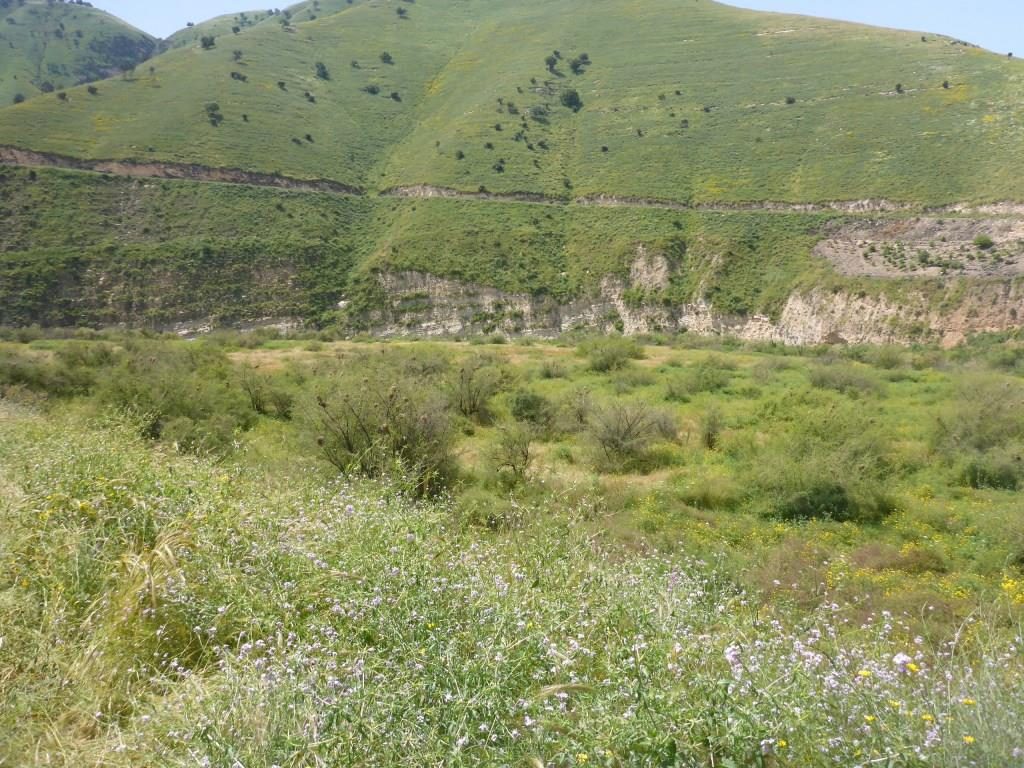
[(213, 114), (387, 58), (322, 71), (791, 99), (208, 42), (19, 98), (899, 87), (355, 64), (240, 77), (236, 30), (460, 155), (236, 55), (402, 13), (93, 90), (945, 84), (395, 96), (46, 87), (551, 62), (580, 64), (372, 89), (571, 99), (281, 85), (62, 96)]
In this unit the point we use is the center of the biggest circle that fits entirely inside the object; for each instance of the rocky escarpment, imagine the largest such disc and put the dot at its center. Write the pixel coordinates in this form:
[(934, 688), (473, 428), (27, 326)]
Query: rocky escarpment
[(421, 304)]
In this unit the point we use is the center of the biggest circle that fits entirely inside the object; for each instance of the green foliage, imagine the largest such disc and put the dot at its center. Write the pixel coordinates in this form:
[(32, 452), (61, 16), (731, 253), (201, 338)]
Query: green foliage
[(610, 353), (844, 378), (624, 433), (183, 396), (530, 407), (984, 242), (472, 384), (393, 429)]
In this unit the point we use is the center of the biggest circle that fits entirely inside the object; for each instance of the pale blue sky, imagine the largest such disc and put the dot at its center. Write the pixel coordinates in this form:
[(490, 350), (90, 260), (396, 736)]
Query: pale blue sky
[(994, 24)]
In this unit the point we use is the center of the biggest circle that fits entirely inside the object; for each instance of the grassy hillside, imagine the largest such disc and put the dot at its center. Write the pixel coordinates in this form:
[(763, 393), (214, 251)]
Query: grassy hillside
[(685, 101), (814, 559), (83, 248), (53, 46)]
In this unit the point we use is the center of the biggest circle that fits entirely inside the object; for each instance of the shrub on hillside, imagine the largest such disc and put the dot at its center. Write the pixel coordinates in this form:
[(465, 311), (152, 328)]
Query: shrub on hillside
[(530, 407), (472, 384), (830, 463), (610, 353), (624, 432), (396, 428), (183, 395), (846, 379)]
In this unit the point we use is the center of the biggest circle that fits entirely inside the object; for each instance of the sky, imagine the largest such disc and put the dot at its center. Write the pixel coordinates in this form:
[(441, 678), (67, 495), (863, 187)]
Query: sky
[(994, 24)]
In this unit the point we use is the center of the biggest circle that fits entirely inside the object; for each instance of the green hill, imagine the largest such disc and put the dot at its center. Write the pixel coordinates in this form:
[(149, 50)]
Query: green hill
[(683, 101), (577, 135), (46, 46)]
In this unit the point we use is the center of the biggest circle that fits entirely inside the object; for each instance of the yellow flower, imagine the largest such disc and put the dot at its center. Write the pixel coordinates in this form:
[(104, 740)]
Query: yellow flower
[(782, 743), (894, 704), (928, 718), (869, 718), (913, 667), (864, 673), (609, 754), (582, 757), (968, 702), (969, 739)]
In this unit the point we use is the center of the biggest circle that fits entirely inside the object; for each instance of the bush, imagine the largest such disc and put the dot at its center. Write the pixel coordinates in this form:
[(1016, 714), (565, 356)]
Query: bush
[(707, 376), (472, 385), (208, 42), (185, 396), (845, 379), (830, 463), (394, 429), (510, 455), (571, 99), (322, 72), (984, 242), (624, 431), (997, 470), (610, 353), (19, 98), (530, 407)]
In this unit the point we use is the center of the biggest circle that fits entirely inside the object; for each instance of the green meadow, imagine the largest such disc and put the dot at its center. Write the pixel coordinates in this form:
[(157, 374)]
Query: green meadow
[(234, 551)]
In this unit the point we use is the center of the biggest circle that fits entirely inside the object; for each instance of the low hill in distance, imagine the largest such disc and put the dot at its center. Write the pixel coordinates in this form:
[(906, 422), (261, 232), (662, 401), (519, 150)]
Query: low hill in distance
[(48, 46)]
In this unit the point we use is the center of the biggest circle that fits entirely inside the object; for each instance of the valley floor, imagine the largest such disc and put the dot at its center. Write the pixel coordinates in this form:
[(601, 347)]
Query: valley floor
[(807, 558)]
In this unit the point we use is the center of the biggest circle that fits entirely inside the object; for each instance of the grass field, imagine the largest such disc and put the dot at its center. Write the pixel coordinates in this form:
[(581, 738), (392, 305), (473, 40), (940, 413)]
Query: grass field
[(51, 47), (680, 101), (814, 559)]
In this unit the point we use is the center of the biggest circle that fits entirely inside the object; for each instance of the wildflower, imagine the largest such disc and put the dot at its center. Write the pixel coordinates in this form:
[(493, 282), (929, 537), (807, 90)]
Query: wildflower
[(901, 660), (865, 673), (968, 702), (912, 667), (782, 743), (869, 718), (928, 718), (969, 740), (582, 758)]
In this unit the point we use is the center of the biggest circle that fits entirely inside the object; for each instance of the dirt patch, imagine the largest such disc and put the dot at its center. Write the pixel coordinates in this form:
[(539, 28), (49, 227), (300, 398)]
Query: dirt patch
[(162, 170), (927, 247)]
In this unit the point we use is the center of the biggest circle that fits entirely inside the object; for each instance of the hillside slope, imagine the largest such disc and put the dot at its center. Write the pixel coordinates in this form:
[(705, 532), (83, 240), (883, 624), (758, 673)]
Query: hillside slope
[(535, 167), (53, 46), (683, 101)]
